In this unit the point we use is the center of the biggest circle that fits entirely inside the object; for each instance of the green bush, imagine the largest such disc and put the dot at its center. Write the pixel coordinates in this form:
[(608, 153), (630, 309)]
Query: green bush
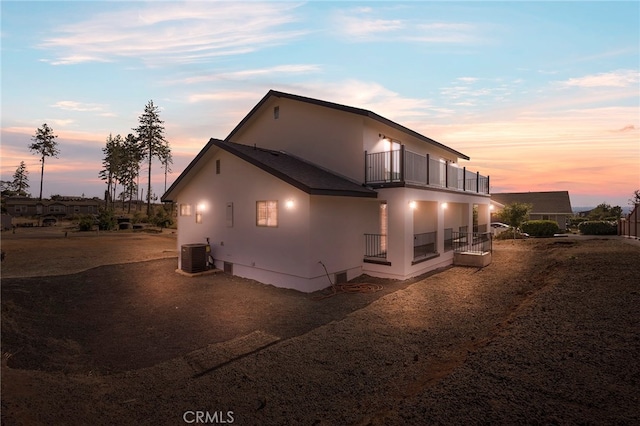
[(541, 228), (106, 220), (575, 221), (162, 218), (139, 217), (598, 227), (85, 223)]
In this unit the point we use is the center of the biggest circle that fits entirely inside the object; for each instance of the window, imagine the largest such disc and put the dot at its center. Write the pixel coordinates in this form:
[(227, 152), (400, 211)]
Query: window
[(267, 213), (76, 209), (276, 112), (384, 225), (185, 209), (218, 167), (56, 209)]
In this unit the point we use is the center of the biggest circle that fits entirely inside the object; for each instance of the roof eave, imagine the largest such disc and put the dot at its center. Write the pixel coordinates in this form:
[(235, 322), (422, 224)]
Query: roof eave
[(168, 196), (288, 179)]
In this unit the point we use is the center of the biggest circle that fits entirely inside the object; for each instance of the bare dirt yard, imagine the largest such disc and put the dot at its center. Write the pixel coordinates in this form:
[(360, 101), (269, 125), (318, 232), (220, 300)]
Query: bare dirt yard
[(100, 329)]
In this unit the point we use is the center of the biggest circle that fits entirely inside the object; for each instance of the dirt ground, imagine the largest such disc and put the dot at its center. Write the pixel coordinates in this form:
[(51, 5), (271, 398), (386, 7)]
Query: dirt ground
[(100, 329)]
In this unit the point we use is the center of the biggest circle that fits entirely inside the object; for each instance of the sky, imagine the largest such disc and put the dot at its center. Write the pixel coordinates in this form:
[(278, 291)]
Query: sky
[(542, 96)]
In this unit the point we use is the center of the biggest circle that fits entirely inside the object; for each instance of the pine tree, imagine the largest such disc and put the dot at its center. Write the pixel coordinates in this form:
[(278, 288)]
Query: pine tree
[(21, 180), (151, 138), (44, 144), (111, 164), (132, 155)]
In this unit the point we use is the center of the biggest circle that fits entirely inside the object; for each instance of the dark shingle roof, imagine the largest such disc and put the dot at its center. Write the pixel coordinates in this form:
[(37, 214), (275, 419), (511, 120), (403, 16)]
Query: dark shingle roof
[(303, 175), (543, 202)]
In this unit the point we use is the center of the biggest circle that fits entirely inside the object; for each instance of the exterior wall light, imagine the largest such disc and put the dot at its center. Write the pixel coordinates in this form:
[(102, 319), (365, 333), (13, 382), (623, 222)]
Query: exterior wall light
[(444, 205), (289, 204), (199, 209), (413, 205)]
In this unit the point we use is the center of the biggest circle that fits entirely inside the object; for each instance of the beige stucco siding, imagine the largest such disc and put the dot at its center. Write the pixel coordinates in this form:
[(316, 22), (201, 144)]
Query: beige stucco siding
[(338, 225), (329, 138), (255, 252)]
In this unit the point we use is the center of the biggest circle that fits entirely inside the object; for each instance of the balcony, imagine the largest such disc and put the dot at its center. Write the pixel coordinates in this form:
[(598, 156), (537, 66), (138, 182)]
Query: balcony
[(402, 167)]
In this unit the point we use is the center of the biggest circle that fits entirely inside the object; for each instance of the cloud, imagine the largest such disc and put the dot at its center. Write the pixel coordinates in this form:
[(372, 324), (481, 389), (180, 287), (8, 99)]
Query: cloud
[(280, 70), (467, 95), (628, 128), (172, 32), (365, 28), (619, 78), (468, 79), (361, 24), (78, 106), (221, 96)]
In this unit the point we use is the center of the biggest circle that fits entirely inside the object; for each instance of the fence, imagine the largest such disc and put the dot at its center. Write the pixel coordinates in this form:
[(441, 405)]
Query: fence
[(375, 246), (472, 242), (424, 244), (630, 225)]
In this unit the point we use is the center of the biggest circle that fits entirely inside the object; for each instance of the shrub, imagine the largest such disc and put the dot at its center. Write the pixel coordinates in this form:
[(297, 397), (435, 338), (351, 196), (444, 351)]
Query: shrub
[(85, 223), (139, 217), (106, 220), (541, 228), (598, 227), (162, 218), (575, 221)]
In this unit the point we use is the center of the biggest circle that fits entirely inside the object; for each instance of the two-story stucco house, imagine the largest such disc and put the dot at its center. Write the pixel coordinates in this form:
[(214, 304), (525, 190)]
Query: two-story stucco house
[(304, 192)]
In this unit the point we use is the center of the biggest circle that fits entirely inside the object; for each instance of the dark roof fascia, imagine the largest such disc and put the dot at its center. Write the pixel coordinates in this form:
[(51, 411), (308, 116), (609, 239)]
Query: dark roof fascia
[(345, 108), (186, 171), (288, 179)]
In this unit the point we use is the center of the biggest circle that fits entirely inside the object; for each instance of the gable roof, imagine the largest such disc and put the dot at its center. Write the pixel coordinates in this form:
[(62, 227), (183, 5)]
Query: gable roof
[(301, 174), (550, 202), (344, 108), (168, 195)]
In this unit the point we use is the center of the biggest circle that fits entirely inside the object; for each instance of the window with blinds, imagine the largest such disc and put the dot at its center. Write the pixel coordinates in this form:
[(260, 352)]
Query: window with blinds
[(267, 213)]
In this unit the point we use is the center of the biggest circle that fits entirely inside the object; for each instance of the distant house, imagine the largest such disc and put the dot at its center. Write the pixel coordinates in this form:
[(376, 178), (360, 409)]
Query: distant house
[(550, 205), (304, 193), (59, 207)]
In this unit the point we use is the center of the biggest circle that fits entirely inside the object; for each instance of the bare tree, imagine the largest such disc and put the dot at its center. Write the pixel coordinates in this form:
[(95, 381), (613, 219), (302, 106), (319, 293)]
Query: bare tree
[(45, 145)]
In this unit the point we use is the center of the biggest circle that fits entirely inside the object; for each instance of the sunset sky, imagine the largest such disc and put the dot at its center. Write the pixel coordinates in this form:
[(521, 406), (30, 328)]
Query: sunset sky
[(542, 96)]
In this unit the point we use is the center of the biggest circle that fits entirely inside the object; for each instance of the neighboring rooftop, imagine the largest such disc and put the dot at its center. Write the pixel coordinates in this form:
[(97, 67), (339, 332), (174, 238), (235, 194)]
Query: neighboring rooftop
[(543, 202)]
